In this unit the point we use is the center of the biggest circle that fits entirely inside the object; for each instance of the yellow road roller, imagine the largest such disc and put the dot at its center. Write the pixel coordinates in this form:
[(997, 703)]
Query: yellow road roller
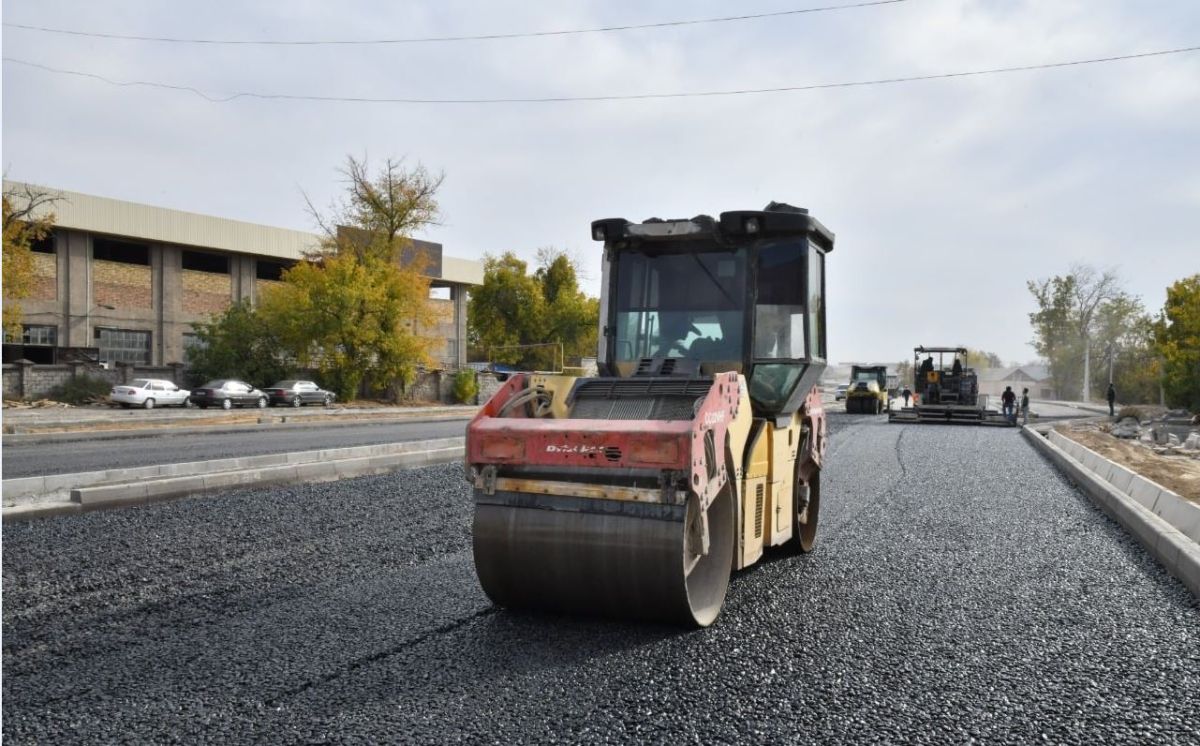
[(635, 493)]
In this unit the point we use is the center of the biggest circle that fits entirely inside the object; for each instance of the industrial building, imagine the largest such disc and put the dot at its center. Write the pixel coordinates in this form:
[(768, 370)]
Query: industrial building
[(122, 282)]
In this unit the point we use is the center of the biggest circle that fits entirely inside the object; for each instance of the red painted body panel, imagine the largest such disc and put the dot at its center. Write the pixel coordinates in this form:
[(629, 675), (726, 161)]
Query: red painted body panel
[(519, 440)]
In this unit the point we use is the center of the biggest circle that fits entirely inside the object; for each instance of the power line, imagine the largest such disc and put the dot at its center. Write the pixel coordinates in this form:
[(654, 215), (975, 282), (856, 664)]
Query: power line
[(451, 38), (439, 39), (224, 98)]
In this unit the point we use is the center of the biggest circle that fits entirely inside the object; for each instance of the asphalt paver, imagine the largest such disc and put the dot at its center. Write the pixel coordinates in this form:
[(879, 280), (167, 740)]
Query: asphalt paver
[(962, 591)]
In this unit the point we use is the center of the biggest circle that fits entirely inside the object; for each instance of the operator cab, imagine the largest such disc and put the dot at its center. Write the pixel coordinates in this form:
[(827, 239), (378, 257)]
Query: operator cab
[(743, 292)]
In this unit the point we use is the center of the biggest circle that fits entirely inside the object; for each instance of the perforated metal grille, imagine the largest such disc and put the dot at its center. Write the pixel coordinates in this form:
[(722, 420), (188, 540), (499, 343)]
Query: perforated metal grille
[(666, 408), (758, 511)]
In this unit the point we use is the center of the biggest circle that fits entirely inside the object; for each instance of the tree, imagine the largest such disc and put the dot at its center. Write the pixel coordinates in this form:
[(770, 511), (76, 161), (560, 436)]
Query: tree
[(357, 309), (28, 217), (572, 317), (353, 319), (238, 343), (1065, 320), (1124, 336), (507, 310), (514, 309), (1177, 339)]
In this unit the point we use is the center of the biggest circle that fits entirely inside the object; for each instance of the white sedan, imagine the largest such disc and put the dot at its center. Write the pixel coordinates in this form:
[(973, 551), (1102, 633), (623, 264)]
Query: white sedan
[(149, 393)]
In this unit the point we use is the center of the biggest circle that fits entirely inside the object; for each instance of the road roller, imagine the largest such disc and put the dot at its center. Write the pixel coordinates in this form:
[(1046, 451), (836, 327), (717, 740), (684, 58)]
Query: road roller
[(635, 492)]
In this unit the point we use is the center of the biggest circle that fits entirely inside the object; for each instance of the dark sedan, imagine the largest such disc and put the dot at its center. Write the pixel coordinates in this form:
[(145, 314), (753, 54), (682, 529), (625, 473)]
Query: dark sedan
[(298, 393), (228, 393)]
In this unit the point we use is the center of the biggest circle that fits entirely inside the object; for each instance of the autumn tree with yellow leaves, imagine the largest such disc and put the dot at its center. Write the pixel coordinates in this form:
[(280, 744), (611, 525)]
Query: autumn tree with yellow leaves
[(28, 218)]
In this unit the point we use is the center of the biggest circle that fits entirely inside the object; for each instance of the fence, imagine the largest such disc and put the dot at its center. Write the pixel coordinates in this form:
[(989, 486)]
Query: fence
[(25, 380)]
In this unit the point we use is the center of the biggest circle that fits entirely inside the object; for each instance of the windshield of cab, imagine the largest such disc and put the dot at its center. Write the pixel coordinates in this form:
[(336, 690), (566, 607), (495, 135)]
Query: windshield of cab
[(681, 305)]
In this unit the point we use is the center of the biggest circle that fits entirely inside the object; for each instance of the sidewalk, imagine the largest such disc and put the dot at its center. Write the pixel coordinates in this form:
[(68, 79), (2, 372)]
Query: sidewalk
[(27, 425)]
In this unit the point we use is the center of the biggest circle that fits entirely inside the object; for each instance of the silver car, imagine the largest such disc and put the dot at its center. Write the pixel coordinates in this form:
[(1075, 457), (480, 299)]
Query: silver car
[(149, 393)]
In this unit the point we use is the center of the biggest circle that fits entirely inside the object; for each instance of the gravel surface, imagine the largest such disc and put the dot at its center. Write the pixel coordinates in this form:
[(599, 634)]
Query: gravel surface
[(164, 448), (974, 595)]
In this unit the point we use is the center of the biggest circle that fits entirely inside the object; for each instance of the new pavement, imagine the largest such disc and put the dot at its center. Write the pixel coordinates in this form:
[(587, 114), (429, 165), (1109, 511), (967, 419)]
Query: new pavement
[(961, 591)]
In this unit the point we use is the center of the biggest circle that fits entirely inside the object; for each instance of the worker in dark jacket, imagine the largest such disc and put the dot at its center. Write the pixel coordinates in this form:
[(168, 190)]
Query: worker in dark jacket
[(1009, 400), (1111, 395)]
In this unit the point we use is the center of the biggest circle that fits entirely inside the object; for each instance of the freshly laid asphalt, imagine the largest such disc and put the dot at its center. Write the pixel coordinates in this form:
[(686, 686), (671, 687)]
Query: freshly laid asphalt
[(36, 459), (962, 591)]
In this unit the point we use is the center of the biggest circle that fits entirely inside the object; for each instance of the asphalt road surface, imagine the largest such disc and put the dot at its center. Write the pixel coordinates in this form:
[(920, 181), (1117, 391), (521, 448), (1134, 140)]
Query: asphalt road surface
[(90, 455), (962, 591)]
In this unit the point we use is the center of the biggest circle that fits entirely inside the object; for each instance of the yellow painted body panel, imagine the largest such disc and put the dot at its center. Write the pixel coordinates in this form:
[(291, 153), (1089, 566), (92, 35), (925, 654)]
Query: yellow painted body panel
[(559, 387), (780, 481)]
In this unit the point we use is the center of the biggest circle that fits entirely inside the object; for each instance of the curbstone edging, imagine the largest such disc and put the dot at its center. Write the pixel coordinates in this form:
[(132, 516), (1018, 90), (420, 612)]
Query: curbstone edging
[(147, 491), (1169, 545)]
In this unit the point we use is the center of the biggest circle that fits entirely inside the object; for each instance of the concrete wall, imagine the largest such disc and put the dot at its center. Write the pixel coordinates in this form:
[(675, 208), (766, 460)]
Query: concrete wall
[(438, 385), (28, 381)]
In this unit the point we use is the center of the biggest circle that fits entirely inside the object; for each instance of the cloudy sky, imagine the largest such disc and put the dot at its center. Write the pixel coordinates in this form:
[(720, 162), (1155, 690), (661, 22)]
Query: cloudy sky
[(946, 195)]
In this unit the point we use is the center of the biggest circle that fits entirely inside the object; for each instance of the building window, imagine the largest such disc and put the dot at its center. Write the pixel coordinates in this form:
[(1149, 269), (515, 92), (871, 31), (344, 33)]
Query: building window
[(452, 349), (44, 336), (43, 245), (123, 345), (202, 261), (107, 250), (264, 270), (440, 293)]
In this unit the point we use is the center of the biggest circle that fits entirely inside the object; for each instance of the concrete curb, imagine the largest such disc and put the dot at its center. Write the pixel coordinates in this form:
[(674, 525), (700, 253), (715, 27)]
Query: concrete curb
[(20, 422), (1170, 546), (61, 485), (150, 432), (148, 491)]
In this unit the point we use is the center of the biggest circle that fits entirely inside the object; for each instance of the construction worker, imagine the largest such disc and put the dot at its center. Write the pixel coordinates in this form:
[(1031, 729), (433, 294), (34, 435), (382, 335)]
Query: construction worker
[(1009, 400), (957, 368), (1025, 407), (1111, 396), (907, 394)]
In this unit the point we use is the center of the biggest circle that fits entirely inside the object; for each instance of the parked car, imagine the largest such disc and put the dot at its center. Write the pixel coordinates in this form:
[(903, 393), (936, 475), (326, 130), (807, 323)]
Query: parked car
[(298, 393), (149, 393), (841, 391), (228, 393)]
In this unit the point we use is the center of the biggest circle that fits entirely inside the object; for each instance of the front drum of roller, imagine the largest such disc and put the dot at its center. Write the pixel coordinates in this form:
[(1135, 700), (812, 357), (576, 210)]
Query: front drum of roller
[(602, 557)]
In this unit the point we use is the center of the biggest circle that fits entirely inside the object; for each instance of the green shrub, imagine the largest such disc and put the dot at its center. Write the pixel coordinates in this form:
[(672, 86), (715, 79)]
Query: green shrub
[(80, 390), (465, 386)]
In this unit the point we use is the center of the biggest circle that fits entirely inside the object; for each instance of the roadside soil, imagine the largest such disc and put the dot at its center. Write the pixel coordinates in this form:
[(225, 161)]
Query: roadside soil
[(1180, 474)]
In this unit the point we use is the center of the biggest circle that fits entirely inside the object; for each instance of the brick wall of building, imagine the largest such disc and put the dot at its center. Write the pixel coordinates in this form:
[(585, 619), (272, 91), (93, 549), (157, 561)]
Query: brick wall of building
[(205, 292), (45, 277), (441, 331), (121, 285), (261, 286)]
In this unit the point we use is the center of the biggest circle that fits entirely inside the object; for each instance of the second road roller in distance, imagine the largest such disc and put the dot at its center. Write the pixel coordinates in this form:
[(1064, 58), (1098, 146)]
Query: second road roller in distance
[(635, 493)]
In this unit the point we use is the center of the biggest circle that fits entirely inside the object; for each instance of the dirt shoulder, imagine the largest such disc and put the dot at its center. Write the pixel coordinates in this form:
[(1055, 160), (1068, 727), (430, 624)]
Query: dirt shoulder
[(1180, 474)]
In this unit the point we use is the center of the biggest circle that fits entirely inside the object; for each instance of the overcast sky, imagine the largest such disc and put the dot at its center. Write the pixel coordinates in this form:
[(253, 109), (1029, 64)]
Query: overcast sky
[(946, 196)]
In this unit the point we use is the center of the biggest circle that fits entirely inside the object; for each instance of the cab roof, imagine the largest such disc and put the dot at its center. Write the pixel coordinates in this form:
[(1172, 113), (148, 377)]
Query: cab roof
[(775, 220)]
